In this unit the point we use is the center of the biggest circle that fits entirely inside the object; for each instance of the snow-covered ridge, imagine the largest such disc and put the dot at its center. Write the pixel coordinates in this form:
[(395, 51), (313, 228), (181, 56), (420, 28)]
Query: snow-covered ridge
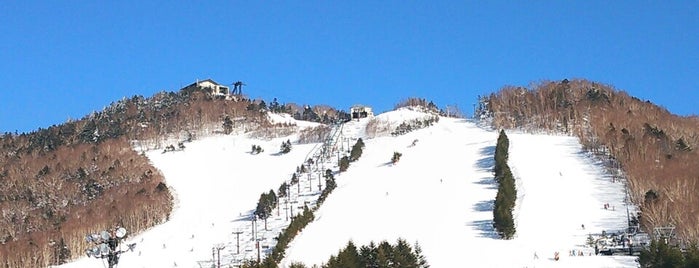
[(386, 123)]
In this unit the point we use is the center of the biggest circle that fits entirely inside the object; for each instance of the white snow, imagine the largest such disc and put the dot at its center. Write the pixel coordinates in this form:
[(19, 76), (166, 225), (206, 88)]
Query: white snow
[(439, 194)]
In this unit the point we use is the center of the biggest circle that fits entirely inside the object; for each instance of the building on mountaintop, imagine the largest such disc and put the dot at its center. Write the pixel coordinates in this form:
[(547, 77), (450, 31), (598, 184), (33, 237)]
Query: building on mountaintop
[(361, 111), (213, 88)]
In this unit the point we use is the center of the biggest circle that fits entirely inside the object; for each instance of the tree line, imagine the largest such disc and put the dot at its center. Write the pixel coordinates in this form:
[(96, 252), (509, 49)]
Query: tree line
[(381, 255)]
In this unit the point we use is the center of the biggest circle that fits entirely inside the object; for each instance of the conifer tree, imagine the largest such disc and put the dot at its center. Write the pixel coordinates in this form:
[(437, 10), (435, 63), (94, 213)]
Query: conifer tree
[(227, 125), (505, 198), (396, 157), (344, 163), (356, 151), (660, 254), (285, 147)]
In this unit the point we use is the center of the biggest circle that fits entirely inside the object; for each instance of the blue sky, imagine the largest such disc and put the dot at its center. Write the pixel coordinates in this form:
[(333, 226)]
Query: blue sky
[(65, 59)]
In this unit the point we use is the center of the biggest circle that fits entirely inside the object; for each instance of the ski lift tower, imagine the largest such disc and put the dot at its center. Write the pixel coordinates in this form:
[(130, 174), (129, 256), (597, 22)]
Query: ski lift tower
[(667, 233), (107, 245)]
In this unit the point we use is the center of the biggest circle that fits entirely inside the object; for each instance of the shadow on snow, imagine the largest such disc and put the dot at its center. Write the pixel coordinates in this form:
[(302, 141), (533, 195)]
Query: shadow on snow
[(485, 229), (487, 162), (484, 206)]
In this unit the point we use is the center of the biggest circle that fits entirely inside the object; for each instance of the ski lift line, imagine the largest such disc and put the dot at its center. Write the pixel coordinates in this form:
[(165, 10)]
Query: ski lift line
[(307, 197)]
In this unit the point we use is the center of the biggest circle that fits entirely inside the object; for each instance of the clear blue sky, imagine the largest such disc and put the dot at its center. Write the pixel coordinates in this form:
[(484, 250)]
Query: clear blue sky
[(65, 59)]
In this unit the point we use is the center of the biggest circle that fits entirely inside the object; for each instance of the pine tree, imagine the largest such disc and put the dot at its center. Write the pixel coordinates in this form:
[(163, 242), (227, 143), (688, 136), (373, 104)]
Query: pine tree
[(294, 179), (348, 257), (660, 254), (403, 255), (421, 260), (384, 254), (368, 255), (283, 190), (344, 163), (356, 151)]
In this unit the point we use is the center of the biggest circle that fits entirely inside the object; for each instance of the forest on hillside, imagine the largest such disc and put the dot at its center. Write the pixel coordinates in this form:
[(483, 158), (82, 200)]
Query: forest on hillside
[(654, 150), (60, 183)]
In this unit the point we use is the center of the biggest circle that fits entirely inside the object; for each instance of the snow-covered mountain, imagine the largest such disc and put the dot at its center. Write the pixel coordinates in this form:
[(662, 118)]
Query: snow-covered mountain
[(440, 194)]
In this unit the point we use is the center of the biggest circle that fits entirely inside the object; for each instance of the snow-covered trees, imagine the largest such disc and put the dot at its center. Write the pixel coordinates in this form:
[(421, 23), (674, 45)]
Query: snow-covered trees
[(507, 193)]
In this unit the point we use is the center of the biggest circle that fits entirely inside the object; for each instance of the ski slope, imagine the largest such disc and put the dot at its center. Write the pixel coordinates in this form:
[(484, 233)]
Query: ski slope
[(440, 195), (216, 182)]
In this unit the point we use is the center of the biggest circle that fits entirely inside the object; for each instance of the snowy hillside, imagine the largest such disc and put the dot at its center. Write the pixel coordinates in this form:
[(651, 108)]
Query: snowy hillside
[(216, 183), (440, 194)]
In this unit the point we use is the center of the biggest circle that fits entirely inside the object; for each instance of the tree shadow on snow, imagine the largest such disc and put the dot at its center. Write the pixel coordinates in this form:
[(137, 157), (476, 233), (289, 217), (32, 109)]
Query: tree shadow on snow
[(387, 164), (489, 182), (484, 206), (245, 216), (485, 229), (487, 161)]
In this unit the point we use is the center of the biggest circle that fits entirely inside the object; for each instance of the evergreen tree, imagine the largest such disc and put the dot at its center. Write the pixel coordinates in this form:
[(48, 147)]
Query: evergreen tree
[(285, 147), (227, 125), (265, 206), (356, 151), (421, 260), (294, 179), (403, 255), (505, 198), (660, 254), (396, 157), (274, 106), (368, 255), (384, 254), (348, 257), (691, 256), (344, 163), (283, 190)]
